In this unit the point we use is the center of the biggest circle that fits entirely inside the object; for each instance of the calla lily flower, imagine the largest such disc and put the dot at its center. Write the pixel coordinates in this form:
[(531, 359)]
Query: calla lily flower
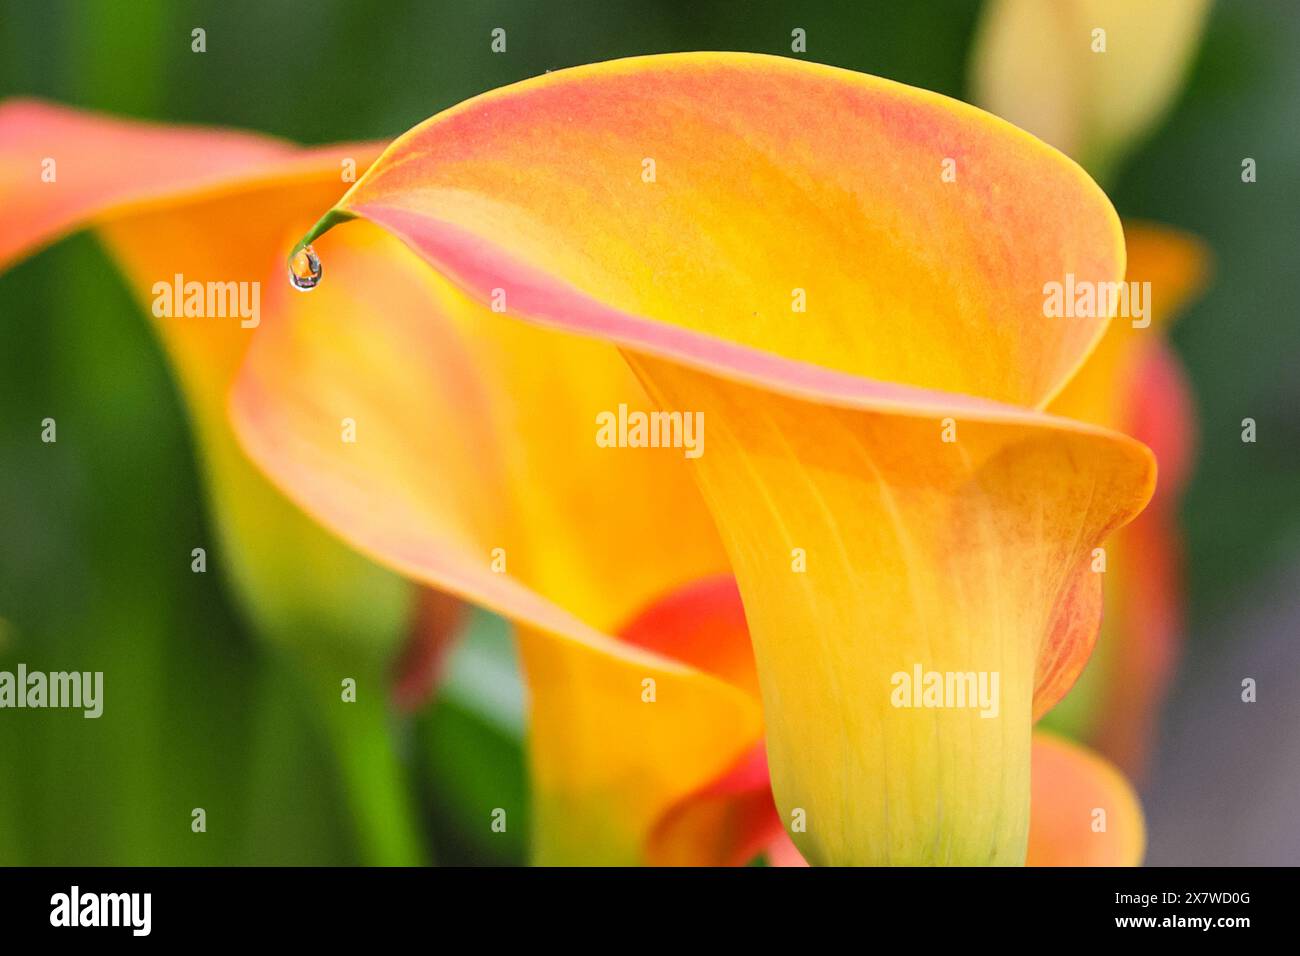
[(1087, 76), (862, 541), (217, 206), (635, 234)]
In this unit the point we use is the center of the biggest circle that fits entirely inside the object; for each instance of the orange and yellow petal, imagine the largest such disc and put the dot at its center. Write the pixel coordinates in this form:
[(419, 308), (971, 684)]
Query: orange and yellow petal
[(205, 206), (826, 216), (1085, 813), (729, 822), (701, 624), (597, 790), (616, 739), (61, 167), (475, 470), (475, 458)]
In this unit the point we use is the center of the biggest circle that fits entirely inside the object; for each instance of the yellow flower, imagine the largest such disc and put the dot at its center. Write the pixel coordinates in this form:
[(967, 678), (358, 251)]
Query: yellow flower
[(888, 489), (1088, 76)]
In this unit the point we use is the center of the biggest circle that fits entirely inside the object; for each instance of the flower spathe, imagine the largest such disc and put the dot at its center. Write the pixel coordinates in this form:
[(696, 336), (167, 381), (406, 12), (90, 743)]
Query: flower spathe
[(924, 307)]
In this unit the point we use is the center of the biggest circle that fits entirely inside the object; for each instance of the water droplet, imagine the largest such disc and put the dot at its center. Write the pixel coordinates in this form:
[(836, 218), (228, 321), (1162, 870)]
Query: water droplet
[(305, 269)]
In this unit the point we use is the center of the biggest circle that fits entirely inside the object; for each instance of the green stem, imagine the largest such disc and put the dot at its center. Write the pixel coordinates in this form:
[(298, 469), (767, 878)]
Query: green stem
[(378, 786)]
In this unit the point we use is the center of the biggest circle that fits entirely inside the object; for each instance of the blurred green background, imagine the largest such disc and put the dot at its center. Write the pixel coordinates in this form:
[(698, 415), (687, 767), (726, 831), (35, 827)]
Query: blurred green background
[(95, 531)]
